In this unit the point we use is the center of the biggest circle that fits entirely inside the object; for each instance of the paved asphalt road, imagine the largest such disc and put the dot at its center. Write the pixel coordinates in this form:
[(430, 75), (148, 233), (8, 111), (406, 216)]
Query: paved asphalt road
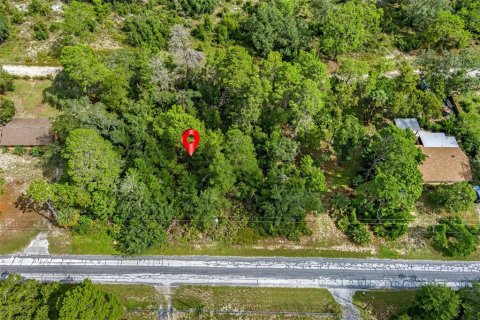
[(288, 272)]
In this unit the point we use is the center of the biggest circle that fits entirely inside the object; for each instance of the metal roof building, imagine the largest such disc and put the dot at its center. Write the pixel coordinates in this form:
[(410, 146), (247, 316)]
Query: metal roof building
[(408, 123), (437, 140)]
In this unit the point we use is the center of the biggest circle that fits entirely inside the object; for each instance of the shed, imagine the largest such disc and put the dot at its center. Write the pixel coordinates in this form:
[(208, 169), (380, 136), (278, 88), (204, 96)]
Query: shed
[(437, 140), (26, 132), (408, 123), (445, 165)]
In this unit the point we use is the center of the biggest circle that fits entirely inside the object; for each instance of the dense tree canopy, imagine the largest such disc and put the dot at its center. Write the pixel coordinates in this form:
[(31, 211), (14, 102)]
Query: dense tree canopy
[(269, 29), (454, 238), (30, 299), (146, 30), (87, 302), (272, 109), (452, 197), (348, 26), (392, 181), (435, 302)]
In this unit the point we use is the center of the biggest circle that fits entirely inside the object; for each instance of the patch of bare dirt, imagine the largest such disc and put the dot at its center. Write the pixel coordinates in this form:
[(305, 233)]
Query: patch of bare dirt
[(15, 224)]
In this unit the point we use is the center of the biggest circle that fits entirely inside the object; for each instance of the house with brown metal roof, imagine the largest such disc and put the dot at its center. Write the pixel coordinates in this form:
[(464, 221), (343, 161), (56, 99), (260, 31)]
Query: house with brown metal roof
[(445, 165), (26, 132)]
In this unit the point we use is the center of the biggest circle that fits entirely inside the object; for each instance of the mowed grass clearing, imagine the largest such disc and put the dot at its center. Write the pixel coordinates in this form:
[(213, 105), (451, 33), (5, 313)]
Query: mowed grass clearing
[(260, 303), (382, 304), (28, 99), (142, 302)]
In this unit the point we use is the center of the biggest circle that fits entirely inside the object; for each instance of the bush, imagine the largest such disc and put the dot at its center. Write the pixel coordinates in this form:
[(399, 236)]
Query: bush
[(79, 19), (4, 28), (452, 237), (451, 197), (246, 236), (194, 8), (2, 182), (146, 30), (40, 31), (7, 110), (84, 226), (435, 302), (6, 82), (353, 228), (36, 151), (39, 7), (19, 151), (16, 16)]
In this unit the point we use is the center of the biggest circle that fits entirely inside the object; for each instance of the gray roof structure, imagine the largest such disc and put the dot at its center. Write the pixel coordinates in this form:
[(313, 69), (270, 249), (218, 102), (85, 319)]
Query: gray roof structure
[(26, 132), (437, 140), (408, 123)]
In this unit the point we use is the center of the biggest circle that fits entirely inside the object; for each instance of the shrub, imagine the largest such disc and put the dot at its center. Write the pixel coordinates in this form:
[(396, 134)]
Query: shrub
[(55, 26), (353, 228), (19, 151), (434, 302), (6, 82), (16, 16), (79, 19), (4, 28), (36, 151), (84, 226), (2, 182), (7, 110), (146, 30), (40, 31), (246, 236), (39, 7), (194, 8), (451, 197), (452, 237)]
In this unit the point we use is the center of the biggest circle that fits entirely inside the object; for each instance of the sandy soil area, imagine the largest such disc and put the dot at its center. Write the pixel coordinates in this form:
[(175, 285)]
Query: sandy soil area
[(17, 227)]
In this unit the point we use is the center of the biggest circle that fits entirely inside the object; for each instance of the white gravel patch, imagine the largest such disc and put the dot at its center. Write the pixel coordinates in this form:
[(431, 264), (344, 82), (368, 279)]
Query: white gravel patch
[(31, 71), (38, 246), (344, 297)]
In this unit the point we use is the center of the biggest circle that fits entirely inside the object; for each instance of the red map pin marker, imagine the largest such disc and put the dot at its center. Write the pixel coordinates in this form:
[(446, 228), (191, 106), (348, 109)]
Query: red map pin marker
[(190, 146)]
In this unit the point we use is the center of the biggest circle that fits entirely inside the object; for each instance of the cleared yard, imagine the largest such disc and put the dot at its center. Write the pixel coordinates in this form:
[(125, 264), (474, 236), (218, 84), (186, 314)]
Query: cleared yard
[(142, 302), (260, 303), (28, 99), (382, 304)]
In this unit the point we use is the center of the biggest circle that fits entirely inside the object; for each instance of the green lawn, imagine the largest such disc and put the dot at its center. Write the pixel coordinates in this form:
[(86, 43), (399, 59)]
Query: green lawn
[(101, 243), (66, 242), (141, 301), (14, 241), (382, 304), (257, 301), (28, 99)]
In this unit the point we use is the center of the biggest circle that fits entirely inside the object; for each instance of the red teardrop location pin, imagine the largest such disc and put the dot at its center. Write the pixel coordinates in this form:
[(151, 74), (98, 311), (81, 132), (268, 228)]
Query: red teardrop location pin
[(190, 146)]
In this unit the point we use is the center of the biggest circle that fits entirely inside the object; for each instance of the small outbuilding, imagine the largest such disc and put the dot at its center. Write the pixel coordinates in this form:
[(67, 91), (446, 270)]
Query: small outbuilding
[(437, 140), (408, 123), (445, 165), (26, 133)]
